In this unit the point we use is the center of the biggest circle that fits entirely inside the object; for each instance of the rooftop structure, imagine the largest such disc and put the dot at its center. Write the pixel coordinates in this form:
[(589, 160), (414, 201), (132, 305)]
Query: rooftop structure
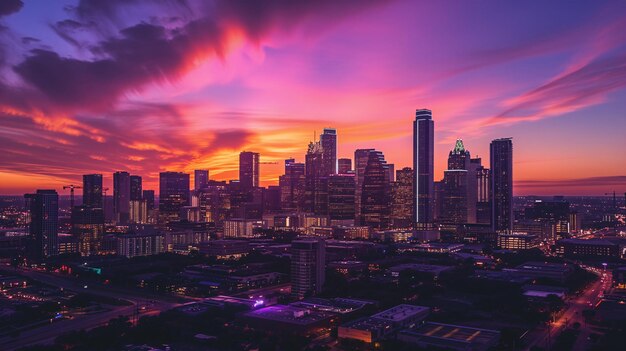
[(289, 317), (449, 336), (435, 270), (384, 323)]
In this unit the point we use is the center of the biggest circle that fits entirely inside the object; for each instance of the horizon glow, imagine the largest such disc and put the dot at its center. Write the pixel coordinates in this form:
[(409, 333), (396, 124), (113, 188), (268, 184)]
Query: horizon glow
[(149, 86)]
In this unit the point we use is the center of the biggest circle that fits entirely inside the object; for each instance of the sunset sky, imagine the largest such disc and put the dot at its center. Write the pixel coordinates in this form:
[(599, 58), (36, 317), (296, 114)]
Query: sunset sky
[(147, 86)]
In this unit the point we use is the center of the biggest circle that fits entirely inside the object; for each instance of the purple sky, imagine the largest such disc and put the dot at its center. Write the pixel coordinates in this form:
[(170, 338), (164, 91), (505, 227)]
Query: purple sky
[(146, 86)]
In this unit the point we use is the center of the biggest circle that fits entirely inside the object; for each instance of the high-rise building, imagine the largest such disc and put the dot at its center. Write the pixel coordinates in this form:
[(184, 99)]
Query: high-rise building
[(328, 141), (214, 203), (459, 158), (375, 192), (148, 195), (138, 211), (88, 229), (344, 165), (292, 186), (121, 196), (341, 196), (248, 170), (315, 195), (173, 195), (423, 166), (475, 166), (44, 222), (501, 160), (456, 186), (361, 157), (402, 198), (483, 196), (391, 172), (92, 190), (135, 188), (454, 206), (308, 264), (200, 178)]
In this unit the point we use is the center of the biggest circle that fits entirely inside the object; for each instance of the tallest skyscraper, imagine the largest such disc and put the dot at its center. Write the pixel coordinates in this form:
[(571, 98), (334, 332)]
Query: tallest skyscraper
[(501, 159), (423, 165)]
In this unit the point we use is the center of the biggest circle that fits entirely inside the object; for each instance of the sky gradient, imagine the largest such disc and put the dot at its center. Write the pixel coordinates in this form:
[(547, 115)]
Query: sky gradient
[(147, 86)]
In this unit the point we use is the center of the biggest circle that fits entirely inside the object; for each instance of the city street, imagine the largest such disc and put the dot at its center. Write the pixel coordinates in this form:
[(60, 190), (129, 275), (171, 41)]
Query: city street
[(46, 334), (545, 336)]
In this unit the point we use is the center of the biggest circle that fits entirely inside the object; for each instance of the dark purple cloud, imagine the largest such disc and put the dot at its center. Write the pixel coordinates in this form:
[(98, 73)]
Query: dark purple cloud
[(8, 7), (154, 52)]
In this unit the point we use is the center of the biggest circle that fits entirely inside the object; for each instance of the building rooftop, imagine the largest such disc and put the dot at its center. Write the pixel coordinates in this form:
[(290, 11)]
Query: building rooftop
[(336, 305), (420, 267), (400, 312), (545, 266), (595, 242), (289, 314), (368, 324), (453, 336)]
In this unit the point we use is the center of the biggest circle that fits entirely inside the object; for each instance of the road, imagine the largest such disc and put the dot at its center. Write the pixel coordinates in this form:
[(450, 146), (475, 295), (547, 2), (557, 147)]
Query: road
[(573, 313), (47, 334)]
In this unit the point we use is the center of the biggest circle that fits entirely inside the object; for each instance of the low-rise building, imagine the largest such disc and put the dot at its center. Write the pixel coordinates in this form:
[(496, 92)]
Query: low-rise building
[(587, 248), (450, 337), (225, 249), (518, 241), (434, 270), (242, 228), (291, 318), (140, 244), (384, 323), (555, 271)]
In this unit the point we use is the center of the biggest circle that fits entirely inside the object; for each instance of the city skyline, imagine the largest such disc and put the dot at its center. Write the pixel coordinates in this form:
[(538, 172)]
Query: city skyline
[(266, 89)]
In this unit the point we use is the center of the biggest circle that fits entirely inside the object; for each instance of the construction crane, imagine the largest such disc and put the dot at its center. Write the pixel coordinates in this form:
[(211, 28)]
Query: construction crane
[(268, 163), (72, 187)]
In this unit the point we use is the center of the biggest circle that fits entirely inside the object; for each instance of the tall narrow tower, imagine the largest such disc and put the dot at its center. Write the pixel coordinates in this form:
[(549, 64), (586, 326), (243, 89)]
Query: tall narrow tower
[(501, 159), (249, 170), (423, 165), (328, 140)]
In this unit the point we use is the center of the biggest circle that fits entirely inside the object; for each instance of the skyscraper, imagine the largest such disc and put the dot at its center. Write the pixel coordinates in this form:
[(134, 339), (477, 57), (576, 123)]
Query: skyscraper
[(88, 228), (200, 178), (341, 196), (344, 165), (501, 160), (483, 202), (292, 186), (328, 141), (148, 195), (214, 203), (455, 186), (361, 157), (173, 195), (135, 188), (44, 222), (454, 206), (402, 198), (391, 172), (92, 190), (121, 196), (375, 192), (308, 264), (248, 170), (423, 166), (314, 168), (459, 158)]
